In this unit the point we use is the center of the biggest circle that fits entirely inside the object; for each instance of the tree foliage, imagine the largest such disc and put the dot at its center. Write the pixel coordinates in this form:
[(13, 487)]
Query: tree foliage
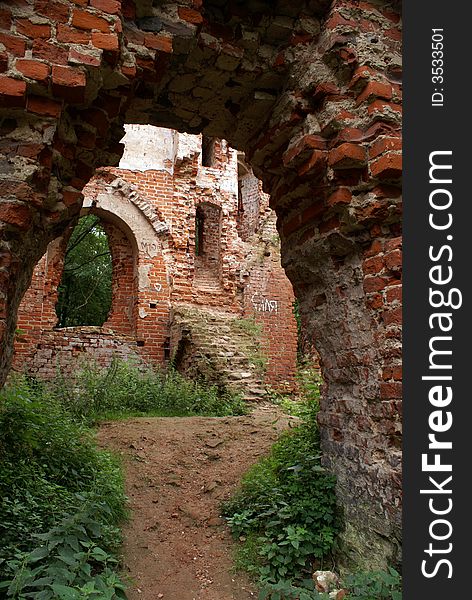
[(85, 289)]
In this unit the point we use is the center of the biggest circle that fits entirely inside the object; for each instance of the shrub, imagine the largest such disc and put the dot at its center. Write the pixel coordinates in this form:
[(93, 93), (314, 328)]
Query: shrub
[(51, 473), (374, 585), (286, 508), (370, 585)]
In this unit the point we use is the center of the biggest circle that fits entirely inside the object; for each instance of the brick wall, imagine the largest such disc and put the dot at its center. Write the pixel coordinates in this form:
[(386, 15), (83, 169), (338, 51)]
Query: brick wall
[(152, 271)]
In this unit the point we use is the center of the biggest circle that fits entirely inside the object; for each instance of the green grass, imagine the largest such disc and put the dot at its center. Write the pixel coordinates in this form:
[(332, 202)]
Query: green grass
[(124, 390)]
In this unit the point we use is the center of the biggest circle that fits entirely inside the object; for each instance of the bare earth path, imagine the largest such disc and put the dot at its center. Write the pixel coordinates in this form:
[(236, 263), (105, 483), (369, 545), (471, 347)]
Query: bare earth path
[(178, 470)]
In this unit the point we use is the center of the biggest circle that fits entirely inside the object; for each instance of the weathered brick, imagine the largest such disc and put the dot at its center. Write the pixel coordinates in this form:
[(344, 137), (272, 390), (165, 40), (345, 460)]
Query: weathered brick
[(71, 35), (85, 57), (32, 30), (330, 224), (43, 106), (361, 76), (303, 148), (58, 11), (5, 18), (162, 43), (16, 214), (3, 62), (392, 316), (374, 284), (50, 52), (393, 260), (378, 107), (190, 15), (83, 19), (390, 390), (394, 294), (34, 69), (106, 41), (314, 164), (71, 197), (388, 166), (13, 43), (347, 156), (373, 265), (68, 76), (340, 196), (375, 89), (383, 145), (12, 87), (111, 7)]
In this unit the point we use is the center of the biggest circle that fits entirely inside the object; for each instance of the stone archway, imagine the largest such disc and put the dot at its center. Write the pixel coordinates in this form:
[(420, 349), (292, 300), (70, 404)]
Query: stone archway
[(310, 91)]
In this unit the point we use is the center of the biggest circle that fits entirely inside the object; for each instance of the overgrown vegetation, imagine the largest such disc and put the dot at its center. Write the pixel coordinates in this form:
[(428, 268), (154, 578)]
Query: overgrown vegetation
[(125, 389), (85, 289), (285, 515), (285, 511), (373, 585), (61, 502), (62, 499)]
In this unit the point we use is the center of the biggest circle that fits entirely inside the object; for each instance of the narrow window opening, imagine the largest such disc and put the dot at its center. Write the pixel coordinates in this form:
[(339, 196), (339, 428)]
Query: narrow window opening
[(199, 230), (208, 151), (85, 291)]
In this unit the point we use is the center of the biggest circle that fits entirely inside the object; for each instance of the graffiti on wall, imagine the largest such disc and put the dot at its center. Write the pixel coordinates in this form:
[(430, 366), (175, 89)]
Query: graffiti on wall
[(262, 304)]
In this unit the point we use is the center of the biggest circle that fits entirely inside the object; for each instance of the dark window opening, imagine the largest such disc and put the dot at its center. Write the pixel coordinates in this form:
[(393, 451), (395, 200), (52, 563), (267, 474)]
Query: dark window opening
[(207, 245), (208, 151), (85, 291), (140, 343), (199, 229), (240, 198)]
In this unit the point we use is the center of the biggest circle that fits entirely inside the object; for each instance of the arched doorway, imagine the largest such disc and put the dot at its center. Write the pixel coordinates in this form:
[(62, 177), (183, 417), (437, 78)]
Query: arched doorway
[(311, 93)]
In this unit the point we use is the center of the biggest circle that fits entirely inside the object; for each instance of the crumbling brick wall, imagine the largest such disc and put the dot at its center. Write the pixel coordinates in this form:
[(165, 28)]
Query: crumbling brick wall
[(150, 273)]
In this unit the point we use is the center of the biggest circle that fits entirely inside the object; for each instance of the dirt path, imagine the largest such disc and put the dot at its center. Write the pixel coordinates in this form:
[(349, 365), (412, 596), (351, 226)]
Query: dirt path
[(178, 470)]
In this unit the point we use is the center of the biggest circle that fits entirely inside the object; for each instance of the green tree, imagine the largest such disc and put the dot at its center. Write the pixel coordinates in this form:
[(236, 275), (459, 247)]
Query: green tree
[(85, 289)]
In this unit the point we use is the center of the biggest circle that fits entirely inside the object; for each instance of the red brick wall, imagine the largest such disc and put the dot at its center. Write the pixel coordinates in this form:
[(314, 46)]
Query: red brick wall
[(151, 274)]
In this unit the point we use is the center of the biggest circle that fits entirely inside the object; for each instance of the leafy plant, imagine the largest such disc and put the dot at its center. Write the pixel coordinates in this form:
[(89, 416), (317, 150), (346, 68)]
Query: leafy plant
[(286, 508), (68, 563), (374, 585), (286, 590), (51, 475)]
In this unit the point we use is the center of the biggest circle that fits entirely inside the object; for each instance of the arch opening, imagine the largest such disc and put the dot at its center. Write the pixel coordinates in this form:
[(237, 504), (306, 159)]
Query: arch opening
[(85, 289), (318, 114)]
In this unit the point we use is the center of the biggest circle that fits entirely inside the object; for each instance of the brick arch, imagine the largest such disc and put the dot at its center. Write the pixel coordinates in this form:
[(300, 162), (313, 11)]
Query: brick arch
[(120, 188), (310, 91)]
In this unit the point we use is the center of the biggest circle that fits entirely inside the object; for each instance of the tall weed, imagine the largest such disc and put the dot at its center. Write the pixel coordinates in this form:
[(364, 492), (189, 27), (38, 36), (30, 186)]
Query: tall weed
[(124, 389)]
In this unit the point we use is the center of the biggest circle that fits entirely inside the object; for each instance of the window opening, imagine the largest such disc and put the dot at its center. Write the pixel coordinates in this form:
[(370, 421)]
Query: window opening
[(199, 228), (208, 151), (85, 291)]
